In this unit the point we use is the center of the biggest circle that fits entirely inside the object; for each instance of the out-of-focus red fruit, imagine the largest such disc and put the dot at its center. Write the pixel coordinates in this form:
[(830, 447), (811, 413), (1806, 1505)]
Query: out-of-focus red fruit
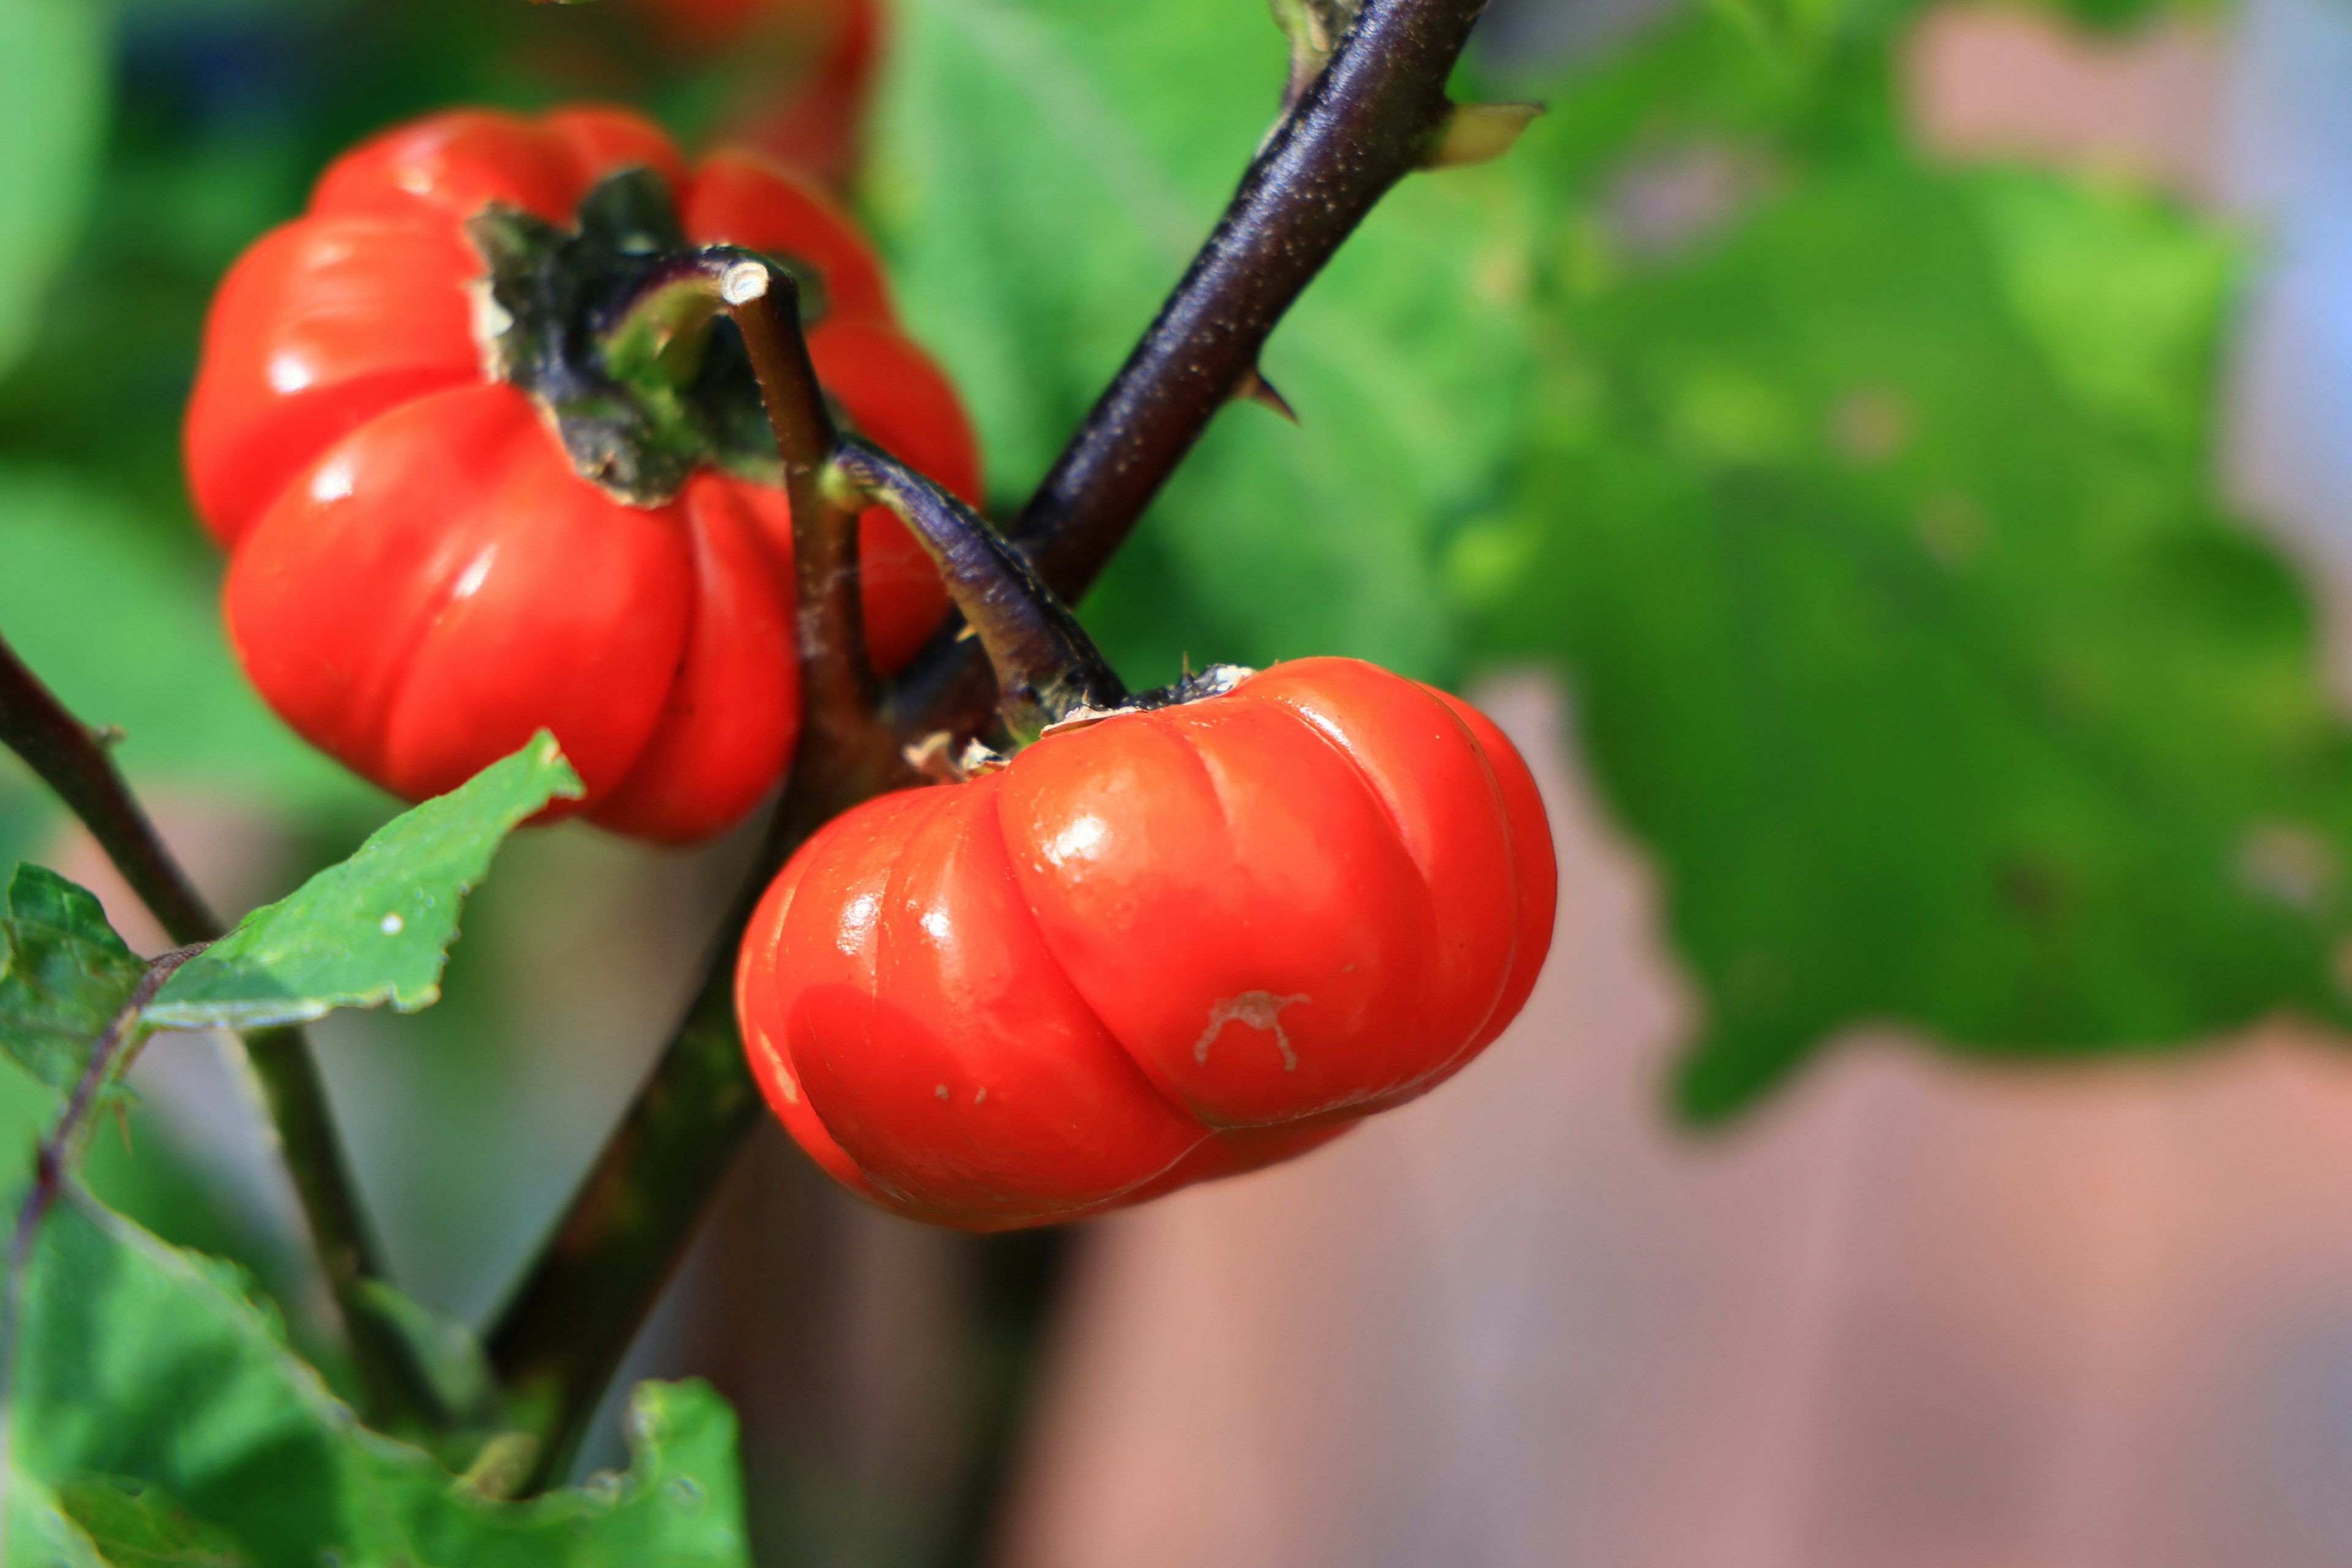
[(805, 70)]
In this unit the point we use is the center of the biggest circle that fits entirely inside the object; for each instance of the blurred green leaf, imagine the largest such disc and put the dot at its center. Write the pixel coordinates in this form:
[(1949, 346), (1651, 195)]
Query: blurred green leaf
[(376, 928), (1794, 30), (2118, 288), (123, 627), (132, 1525), (1045, 168), (63, 974), (447, 1357), (35, 1528), (141, 1362), (53, 102), (1867, 509)]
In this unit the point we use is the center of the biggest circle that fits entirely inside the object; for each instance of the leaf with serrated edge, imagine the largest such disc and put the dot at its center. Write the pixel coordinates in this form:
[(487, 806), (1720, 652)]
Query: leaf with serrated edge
[(376, 928), (1905, 629), (63, 974)]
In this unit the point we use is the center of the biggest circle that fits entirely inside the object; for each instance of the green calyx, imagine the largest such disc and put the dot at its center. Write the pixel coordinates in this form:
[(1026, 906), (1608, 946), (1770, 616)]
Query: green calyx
[(614, 329)]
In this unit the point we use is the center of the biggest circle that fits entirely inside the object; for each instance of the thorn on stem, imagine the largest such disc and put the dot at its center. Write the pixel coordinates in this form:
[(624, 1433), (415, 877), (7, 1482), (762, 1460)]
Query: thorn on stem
[(1256, 388), (1314, 28), (1478, 133)]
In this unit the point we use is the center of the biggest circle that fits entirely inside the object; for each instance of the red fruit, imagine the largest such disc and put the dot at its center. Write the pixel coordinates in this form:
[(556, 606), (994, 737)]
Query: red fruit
[(801, 70), (704, 24), (1167, 945), (423, 576)]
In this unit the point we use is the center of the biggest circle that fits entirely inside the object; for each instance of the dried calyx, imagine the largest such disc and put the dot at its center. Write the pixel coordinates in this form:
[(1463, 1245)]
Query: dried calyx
[(936, 756), (1214, 682), (614, 330)]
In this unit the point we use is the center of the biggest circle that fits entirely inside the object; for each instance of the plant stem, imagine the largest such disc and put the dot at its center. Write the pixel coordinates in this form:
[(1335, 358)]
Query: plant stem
[(563, 1335), (71, 759), (1362, 126), (838, 687), (1047, 666)]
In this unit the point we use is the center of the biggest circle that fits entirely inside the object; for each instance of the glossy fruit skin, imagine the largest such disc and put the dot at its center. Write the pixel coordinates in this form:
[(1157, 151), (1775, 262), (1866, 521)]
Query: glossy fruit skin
[(420, 580), (1167, 946)]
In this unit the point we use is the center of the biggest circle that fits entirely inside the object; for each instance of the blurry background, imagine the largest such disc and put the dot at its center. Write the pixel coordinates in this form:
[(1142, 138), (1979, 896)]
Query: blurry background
[(1892, 467)]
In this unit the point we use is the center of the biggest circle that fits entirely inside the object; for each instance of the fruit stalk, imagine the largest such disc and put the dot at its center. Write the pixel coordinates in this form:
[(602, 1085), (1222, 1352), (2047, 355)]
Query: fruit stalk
[(1046, 667), (838, 687)]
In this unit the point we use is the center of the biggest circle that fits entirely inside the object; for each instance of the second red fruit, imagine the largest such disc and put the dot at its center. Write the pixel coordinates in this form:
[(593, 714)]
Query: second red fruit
[(423, 574), (1168, 945)]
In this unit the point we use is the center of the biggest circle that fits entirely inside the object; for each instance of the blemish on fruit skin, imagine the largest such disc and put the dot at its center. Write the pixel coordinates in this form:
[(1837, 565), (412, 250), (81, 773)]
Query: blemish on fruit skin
[(980, 1095), (943, 1092), (390, 925), (784, 1078), (1256, 1010)]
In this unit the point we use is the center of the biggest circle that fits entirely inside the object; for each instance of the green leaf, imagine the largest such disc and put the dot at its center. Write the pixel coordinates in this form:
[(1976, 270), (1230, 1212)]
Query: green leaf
[(132, 1525), (449, 1359), (2121, 290), (376, 928), (75, 558), (34, 1528), (1903, 628), (1044, 169), (1793, 30), (141, 1362), (53, 102), (63, 974)]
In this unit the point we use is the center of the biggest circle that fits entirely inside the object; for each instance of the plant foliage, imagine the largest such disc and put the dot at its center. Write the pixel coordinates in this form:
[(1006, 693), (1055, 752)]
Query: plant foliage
[(1864, 505), (154, 1409)]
